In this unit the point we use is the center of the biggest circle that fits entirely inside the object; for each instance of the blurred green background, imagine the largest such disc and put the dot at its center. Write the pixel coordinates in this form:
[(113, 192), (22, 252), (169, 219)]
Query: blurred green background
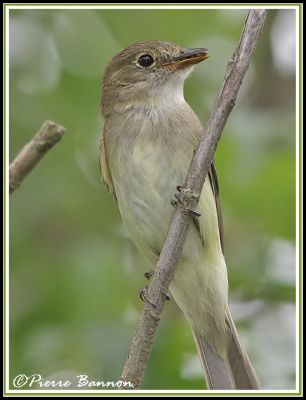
[(74, 273)]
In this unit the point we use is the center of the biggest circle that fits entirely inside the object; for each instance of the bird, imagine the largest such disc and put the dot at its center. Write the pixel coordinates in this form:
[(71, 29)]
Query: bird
[(149, 136)]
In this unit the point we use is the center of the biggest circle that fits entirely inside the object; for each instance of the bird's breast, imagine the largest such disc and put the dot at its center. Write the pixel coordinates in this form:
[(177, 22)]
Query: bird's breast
[(150, 157)]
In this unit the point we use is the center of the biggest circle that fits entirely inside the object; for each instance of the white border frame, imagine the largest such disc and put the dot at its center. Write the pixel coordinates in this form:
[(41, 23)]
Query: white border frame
[(9, 7)]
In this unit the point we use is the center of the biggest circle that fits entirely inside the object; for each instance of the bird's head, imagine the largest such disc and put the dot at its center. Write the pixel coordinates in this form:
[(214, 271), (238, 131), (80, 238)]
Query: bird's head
[(148, 73)]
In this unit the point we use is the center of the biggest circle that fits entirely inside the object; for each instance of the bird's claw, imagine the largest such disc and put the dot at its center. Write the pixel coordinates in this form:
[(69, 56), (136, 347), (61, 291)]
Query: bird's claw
[(143, 295), (167, 296), (182, 199), (148, 275)]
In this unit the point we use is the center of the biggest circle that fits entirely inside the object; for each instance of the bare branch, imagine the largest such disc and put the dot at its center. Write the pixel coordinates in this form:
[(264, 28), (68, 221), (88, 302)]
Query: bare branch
[(143, 338), (49, 134)]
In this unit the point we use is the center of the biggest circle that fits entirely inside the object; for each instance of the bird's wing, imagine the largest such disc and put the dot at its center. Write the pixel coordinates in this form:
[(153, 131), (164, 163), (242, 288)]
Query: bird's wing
[(105, 172), (212, 174)]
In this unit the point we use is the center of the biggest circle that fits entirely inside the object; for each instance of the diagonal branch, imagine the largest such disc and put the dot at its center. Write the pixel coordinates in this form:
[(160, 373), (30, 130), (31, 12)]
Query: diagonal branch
[(49, 134), (143, 338)]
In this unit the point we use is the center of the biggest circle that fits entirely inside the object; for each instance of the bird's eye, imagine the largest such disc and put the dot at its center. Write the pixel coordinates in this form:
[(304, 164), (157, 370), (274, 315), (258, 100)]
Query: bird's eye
[(145, 61)]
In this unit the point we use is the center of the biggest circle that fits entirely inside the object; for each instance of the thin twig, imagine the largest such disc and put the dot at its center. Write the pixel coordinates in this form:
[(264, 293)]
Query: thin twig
[(49, 134), (143, 338)]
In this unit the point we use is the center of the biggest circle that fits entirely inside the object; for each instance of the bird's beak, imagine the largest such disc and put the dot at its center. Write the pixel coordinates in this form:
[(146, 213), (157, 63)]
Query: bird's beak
[(187, 58)]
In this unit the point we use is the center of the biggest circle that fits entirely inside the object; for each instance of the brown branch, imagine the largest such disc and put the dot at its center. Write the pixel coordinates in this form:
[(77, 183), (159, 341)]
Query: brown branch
[(143, 338), (49, 134)]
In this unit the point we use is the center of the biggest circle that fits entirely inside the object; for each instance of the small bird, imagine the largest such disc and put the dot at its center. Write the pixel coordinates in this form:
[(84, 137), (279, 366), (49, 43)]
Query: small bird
[(149, 136)]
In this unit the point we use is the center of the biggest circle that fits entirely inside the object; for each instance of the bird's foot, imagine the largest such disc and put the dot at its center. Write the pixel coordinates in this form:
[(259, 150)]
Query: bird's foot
[(182, 199), (143, 294)]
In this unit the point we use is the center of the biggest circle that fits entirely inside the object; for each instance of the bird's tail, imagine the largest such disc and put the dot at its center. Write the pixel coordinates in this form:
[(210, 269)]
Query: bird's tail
[(234, 371)]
